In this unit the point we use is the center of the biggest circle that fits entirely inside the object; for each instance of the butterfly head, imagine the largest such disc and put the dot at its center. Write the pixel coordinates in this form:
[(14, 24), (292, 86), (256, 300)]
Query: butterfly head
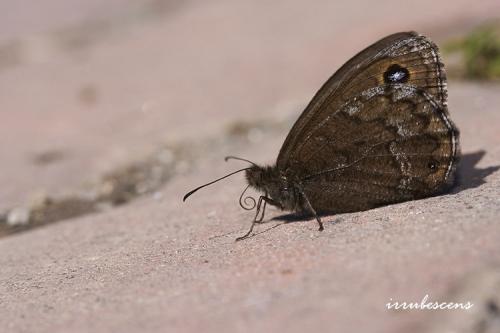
[(261, 178), (273, 184)]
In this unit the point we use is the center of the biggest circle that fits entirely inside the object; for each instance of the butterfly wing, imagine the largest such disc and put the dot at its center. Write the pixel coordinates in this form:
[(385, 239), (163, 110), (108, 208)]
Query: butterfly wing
[(378, 131)]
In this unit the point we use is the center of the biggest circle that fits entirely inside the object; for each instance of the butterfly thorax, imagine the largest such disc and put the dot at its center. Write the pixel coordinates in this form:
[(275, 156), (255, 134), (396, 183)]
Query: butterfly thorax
[(275, 185)]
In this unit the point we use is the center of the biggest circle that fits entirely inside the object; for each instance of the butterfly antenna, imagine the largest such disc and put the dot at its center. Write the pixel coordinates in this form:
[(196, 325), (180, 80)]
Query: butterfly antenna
[(214, 181), (239, 159)]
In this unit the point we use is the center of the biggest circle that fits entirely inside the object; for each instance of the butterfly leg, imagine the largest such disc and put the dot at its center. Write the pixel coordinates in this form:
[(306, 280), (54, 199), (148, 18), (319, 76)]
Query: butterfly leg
[(259, 220), (255, 220), (262, 199), (312, 210)]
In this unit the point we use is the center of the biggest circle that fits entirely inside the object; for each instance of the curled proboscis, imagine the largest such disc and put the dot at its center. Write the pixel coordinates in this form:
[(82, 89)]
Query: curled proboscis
[(248, 202)]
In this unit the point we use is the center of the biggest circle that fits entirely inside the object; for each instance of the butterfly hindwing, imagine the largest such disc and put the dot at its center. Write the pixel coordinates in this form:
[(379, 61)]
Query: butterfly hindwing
[(393, 153)]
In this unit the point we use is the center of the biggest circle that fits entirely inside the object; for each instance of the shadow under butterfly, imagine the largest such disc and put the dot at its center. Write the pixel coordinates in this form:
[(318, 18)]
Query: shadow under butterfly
[(469, 175), (377, 132)]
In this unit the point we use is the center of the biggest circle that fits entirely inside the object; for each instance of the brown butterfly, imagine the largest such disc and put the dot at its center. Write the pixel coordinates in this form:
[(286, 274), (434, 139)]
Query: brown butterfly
[(377, 132)]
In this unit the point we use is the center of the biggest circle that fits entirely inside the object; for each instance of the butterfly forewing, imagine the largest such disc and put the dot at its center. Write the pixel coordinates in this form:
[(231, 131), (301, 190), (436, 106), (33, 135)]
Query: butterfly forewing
[(378, 131)]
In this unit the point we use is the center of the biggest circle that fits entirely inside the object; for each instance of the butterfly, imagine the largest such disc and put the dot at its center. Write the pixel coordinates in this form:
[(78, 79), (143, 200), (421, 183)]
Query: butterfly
[(377, 132)]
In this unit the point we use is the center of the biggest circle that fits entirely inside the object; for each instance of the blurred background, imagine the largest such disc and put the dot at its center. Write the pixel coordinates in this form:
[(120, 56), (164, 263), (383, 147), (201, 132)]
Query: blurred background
[(102, 102), (89, 87)]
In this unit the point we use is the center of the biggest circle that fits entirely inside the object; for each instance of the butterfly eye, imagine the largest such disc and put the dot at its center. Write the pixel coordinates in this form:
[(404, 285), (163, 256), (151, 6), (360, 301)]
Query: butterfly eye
[(396, 74)]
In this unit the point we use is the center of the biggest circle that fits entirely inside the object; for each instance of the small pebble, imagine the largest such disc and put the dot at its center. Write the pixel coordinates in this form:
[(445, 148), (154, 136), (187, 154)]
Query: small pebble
[(18, 216)]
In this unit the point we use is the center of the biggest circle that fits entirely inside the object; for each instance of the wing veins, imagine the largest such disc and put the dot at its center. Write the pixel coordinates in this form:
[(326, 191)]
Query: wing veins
[(328, 118)]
